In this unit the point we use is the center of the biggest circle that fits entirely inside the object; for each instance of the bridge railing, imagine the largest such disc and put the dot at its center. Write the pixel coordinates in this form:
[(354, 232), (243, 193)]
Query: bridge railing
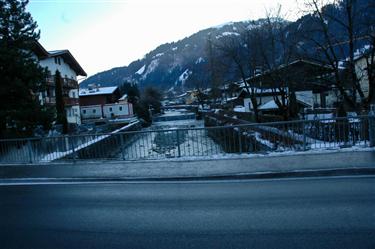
[(263, 138)]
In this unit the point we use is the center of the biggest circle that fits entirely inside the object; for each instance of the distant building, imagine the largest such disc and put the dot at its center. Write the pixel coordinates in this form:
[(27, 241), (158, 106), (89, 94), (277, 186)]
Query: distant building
[(96, 95), (67, 65), (303, 77), (104, 103)]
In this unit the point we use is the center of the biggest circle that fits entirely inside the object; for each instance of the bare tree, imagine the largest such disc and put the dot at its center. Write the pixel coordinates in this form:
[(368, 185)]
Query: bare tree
[(368, 72), (277, 51), (333, 49), (241, 52)]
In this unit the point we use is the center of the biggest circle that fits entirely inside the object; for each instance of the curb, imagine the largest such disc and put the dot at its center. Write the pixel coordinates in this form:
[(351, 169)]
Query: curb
[(243, 176)]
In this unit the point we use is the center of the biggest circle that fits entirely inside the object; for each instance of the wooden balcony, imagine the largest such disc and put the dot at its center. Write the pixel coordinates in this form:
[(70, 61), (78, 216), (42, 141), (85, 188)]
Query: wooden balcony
[(67, 101), (67, 83), (70, 101)]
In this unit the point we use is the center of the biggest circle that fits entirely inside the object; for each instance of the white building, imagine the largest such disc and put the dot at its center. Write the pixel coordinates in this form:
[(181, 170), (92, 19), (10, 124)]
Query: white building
[(104, 103), (64, 62)]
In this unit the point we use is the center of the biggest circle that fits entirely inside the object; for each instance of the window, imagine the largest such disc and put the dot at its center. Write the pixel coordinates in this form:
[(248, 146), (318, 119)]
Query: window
[(110, 109), (120, 108), (55, 60), (94, 111), (84, 111)]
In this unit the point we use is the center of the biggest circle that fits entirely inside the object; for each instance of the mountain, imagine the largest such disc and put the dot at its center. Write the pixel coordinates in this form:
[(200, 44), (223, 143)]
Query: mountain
[(169, 65), (181, 64)]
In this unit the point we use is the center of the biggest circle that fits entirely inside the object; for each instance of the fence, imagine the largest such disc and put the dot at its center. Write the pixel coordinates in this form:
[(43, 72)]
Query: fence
[(194, 142)]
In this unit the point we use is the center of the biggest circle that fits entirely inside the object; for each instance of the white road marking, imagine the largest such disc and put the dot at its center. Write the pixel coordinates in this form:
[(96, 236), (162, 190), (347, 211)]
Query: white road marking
[(85, 181)]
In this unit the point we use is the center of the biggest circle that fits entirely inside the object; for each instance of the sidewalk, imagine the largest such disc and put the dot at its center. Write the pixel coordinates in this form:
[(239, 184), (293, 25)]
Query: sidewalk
[(254, 167)]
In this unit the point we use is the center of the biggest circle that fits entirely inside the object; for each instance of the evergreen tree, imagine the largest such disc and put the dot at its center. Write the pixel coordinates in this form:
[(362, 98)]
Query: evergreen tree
[(60, 106), (131, 89), (150, 98), (21, 76)]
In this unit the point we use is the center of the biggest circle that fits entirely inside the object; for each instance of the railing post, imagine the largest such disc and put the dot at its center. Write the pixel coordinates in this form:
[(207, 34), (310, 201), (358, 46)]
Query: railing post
[(304, 137), (30, 151), (178, 143), (72, 145), (122, 146), (239, 140), (371, 125)]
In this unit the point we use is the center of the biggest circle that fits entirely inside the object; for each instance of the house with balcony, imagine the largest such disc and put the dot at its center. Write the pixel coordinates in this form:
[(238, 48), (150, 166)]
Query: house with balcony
[(64, 62)]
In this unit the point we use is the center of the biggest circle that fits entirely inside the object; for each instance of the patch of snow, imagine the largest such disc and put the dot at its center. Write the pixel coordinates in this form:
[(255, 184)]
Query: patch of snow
[(170, 89), (141, 70), (300, 44), (252, 26), (158, 55), (227, 34), (270, 105), (199, 60), (184, 76), (174, 48), (223, 25), (239, 109), (151, 68)]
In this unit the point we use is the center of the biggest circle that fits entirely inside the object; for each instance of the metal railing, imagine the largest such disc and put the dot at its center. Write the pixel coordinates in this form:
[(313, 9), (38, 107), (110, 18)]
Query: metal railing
[(193, 142)]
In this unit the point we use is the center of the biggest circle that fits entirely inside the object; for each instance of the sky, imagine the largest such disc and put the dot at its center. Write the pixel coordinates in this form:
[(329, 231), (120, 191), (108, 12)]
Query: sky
[(102, 34)]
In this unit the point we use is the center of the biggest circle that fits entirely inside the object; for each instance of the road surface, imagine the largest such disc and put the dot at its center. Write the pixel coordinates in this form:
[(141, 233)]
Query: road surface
[(336, 212)]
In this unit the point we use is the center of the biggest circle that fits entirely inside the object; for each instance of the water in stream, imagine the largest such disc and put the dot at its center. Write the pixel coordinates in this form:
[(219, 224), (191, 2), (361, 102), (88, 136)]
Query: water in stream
[(170, 139)]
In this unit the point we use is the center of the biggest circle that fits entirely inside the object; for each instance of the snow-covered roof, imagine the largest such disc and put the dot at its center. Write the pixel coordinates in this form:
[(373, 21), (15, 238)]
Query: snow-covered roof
[(124, 97), (270, 105), (303, 98), (262, 90), (97, 91), (68, 58)]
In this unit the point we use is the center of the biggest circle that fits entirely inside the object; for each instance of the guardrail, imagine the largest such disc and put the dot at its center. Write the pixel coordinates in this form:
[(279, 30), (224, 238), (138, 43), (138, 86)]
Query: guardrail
[(263, 138)]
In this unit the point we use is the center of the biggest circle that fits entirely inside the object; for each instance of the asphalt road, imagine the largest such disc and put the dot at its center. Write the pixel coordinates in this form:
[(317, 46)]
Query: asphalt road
[(287, 213)]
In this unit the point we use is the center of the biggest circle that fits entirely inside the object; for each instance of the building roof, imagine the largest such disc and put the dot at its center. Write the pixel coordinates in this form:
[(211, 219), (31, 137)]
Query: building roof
[(68, 58), (39, 50), (97, 91), (42, 53), (301, 99), (270, 105)]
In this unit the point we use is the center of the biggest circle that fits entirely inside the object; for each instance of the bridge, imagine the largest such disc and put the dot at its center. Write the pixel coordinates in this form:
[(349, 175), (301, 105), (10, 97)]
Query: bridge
[(192, 139)]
